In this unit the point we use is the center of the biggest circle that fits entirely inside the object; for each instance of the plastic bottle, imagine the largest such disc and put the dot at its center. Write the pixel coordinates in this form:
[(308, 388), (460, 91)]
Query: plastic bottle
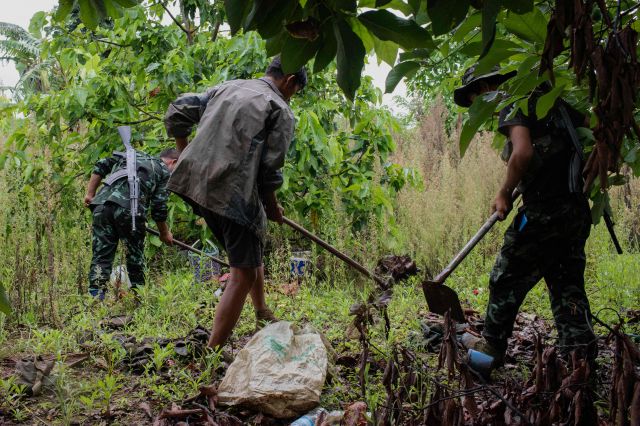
[(310, 418)]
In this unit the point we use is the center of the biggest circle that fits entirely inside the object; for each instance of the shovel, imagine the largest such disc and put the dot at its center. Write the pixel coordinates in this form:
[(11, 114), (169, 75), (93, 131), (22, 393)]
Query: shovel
[(441, 298), (188, 247), (346, 259)]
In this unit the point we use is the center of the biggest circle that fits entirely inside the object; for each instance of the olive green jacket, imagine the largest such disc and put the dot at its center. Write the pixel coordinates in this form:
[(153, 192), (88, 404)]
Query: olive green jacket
[(243, 134)]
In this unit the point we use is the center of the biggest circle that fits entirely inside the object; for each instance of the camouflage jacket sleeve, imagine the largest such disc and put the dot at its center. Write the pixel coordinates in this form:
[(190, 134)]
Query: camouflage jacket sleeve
[(185, 112), (276, 146), (160, 195), (105, 166)]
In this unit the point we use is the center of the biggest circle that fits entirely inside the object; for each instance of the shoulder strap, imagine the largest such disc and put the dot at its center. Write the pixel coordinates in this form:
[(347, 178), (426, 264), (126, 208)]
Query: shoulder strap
[(113, 177)]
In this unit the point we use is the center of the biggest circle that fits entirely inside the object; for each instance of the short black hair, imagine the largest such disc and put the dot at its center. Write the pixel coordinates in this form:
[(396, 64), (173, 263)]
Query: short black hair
[(275, 70), (170, 153)]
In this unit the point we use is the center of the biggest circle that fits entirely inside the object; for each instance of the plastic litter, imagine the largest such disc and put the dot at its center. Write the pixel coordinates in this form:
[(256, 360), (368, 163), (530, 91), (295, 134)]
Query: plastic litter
[(279, 372), (311, 418)]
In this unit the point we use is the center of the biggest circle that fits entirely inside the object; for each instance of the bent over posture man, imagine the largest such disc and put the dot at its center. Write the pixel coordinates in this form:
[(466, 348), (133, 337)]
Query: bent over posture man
[(548, 235), (112, 213), (229, 174)]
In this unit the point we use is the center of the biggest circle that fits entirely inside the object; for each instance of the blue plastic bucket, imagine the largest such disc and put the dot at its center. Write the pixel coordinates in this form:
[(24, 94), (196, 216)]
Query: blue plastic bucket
[(299, 263)]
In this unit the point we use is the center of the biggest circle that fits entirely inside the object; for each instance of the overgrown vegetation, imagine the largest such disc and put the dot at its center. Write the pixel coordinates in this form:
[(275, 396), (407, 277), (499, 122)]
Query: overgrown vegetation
[(354, 175), (53, 317)]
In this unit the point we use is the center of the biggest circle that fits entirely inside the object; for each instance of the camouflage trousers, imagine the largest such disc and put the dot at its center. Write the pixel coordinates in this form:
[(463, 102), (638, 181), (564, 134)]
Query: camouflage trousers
[(546, 240), (112, 223)]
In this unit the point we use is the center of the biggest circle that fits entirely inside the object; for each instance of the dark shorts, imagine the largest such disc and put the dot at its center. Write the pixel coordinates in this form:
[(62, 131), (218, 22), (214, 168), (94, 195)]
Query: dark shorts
[(243, 247)]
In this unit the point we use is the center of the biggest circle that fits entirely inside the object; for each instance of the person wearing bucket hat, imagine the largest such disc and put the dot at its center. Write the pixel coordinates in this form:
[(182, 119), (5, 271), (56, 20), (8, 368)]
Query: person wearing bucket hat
[(473, 85), (547, 236)]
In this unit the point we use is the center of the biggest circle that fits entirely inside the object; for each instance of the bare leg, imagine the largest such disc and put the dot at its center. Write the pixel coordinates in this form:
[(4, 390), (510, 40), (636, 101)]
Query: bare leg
[(257, 292), (228, 311)]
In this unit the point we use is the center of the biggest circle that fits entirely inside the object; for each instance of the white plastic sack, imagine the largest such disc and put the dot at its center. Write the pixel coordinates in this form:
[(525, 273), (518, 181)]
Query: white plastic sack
[(120, 277), (280, 372)]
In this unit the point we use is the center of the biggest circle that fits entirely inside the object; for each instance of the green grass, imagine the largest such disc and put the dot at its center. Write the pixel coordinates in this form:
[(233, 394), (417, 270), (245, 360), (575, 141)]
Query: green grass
[(46, 251), (173, 305)]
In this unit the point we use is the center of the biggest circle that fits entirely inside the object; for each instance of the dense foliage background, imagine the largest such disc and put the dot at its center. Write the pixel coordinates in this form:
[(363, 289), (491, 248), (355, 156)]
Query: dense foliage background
[(366, 181)]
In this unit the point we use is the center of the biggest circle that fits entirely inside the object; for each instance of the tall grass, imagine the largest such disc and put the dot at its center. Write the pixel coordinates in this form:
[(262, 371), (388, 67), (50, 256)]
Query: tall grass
[(45, 232), (436, 221)]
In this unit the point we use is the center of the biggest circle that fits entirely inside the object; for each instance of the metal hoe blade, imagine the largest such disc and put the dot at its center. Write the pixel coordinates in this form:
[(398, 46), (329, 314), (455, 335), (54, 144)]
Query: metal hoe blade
[(441, 299)]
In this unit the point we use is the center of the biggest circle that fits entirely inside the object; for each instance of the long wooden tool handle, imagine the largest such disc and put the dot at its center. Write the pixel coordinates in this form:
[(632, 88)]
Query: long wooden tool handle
[(188, 247), (346, 259), (448, 270)]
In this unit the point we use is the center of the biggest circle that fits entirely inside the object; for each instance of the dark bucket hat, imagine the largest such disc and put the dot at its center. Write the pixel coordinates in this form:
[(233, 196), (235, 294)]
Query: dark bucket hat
[(470, 83)]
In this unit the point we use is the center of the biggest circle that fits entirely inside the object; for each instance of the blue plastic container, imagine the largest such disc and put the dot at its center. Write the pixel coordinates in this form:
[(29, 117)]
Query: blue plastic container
[(480, 362), (299, 263)]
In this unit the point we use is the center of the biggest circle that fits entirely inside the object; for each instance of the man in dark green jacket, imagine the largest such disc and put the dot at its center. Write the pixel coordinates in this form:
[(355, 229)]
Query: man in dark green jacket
[(112, 214), (229, 174)]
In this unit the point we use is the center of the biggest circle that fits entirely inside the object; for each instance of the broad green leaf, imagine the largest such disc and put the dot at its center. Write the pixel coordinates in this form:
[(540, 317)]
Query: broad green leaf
[(529, 65), (600, 204), (415, 6), (273, 45), (327, 50), (479, 112), (38, 20), (475, 48), (386, 51), (420, 14), (546, 101), (64, 7), (350, 58), (127, 3), (519, 6), (495, 56), (387, 26), (380, 3), (89, 14), (114, 10), (398, 5), (416, 54), (586, 136), (271, 24), (490, 11), (630, 157), (151, 67), (617, 180), (296, 52), (397, 73), (236, 11), (344, 5), (472, 22), (81, 95), (525, 82), (446, 14), (5, 306), (531, 27), (362, 32), (155, 241)]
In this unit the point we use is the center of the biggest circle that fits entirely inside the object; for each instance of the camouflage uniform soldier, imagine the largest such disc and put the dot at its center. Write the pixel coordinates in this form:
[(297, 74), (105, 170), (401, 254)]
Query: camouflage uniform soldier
[(112, 214), (548, 235)]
